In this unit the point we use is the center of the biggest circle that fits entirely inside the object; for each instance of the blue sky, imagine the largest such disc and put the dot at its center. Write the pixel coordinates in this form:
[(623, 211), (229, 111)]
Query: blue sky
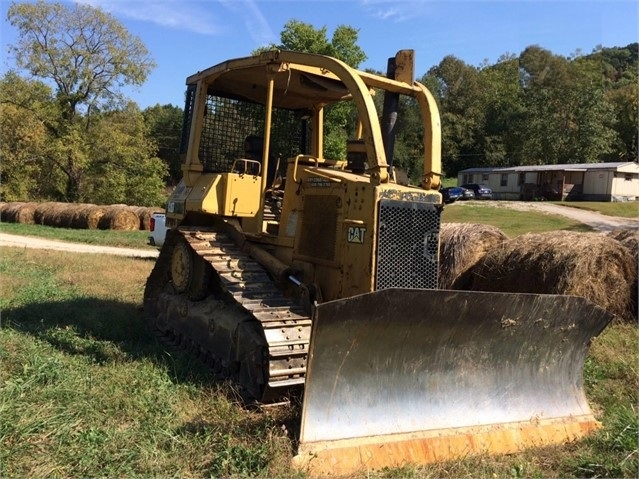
[(187, 36)]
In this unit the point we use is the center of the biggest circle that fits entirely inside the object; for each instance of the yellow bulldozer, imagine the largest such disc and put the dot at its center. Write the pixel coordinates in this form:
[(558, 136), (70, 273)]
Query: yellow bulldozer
[(287, 272)]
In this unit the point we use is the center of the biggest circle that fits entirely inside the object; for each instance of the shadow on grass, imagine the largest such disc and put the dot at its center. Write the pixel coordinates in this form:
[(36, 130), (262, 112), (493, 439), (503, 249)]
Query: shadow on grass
[(104, 331)]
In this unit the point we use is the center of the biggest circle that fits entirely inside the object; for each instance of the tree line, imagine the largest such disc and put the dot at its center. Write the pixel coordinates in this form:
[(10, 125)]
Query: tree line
[(69, 134)]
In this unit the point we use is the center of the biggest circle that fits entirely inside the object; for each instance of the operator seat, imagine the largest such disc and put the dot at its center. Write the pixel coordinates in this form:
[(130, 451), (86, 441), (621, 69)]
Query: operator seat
[(254, 150)]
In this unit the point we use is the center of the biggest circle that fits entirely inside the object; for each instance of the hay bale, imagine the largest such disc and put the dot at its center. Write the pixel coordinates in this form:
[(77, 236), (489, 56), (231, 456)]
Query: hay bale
[(44, 210), (144, 214), (560, 262), (26, 214), (87, 216), (56, 215), (630, 239), (93, 215), (19, 212), (462, 245), (10, 210), (118, 217), (62, 214)]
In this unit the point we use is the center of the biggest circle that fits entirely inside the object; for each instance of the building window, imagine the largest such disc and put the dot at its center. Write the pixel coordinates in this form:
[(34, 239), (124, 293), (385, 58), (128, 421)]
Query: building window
[(522, 179), (627, 177), (504, 179), (484, 177)]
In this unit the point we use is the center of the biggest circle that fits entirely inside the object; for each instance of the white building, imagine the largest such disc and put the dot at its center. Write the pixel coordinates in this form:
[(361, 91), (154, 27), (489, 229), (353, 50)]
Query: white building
[(585, 182)]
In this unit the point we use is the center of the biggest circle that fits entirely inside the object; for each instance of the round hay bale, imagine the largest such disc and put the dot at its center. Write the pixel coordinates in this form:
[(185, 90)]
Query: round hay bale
[(18, 212), (119, 218), (56, 215), (10, 211), (87, 216), (62, 215), (629, 238), (560, 262), (144, 214), (461, 246), (26, 213), (43, 212), (3, 206)]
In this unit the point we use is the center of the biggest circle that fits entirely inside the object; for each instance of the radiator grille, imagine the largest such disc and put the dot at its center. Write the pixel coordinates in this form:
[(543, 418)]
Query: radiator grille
[(319, 227), (407, 245)]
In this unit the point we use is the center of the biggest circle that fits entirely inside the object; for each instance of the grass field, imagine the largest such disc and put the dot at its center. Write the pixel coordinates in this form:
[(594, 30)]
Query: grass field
[(87, 391)]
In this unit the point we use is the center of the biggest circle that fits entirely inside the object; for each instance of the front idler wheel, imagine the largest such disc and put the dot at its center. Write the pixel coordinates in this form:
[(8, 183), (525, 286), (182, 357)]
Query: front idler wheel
[(182, 266)]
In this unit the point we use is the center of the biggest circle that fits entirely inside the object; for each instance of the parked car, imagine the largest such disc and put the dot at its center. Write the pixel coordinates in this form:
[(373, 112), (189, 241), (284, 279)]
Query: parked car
[(158, 229), (454, 193), (482, 192)]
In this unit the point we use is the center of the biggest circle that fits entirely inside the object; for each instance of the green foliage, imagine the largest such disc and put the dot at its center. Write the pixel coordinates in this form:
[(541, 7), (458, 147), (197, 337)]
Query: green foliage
[(165, 127), (304, 37), (24, 111), (85, 52), (537, 108), (85, 148), (123, 167)]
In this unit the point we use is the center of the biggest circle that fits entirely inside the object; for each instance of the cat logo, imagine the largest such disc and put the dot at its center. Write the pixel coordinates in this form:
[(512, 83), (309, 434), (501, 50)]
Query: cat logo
[(356, 234)]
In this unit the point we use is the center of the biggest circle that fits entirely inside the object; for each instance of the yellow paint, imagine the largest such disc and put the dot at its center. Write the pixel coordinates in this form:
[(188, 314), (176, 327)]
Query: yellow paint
[(227, 194), (351, 456)]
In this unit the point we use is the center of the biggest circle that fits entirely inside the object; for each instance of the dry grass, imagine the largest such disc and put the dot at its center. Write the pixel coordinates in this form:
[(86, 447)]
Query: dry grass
[(581, 264), (119, 217), (20, 212), (462, 246), (630, 240)]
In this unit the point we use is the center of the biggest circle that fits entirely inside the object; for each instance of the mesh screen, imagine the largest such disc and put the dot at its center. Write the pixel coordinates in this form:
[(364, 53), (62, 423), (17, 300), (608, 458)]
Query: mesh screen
[(188, 114), (408, 245), (228, 122)]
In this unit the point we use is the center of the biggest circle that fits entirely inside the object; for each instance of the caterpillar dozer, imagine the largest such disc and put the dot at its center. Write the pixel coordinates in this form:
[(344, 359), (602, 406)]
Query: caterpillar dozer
[(298, 262)]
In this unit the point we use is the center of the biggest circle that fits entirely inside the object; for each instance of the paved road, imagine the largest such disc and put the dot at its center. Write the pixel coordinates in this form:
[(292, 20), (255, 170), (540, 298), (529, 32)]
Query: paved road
[(42, 243)]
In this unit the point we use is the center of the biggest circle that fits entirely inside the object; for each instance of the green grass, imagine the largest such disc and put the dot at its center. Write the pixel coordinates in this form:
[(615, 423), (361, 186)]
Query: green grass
[(87, 391), (512, 222), (629, 209), (123, 239)]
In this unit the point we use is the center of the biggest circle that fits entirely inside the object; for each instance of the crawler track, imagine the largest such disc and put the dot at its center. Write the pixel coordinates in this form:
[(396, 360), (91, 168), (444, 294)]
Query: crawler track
[(243, 327)]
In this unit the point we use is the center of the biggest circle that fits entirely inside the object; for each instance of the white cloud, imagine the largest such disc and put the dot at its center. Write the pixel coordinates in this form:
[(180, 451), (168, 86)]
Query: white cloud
[(254, 20), (395, 10), (195, 17)]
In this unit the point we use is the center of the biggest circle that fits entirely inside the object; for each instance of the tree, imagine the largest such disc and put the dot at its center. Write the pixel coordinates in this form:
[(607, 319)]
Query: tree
[(23, 174), (459, 92), (567, 117), (84, 51), (165, 127), (87, 56), (303, 37), (124, 168)]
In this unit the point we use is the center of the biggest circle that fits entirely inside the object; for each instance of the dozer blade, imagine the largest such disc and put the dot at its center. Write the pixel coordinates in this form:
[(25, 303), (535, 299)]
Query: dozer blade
[(417, 376)]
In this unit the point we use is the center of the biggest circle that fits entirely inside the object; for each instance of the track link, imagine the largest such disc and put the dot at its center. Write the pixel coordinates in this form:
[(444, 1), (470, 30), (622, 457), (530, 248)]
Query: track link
[(245, 327)]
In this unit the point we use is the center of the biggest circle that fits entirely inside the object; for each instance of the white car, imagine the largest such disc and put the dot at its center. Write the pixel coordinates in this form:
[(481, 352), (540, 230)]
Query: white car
[(158, 229)]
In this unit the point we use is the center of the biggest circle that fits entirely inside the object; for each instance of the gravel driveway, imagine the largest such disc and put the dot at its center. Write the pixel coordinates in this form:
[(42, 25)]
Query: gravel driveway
[(42, 243)]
